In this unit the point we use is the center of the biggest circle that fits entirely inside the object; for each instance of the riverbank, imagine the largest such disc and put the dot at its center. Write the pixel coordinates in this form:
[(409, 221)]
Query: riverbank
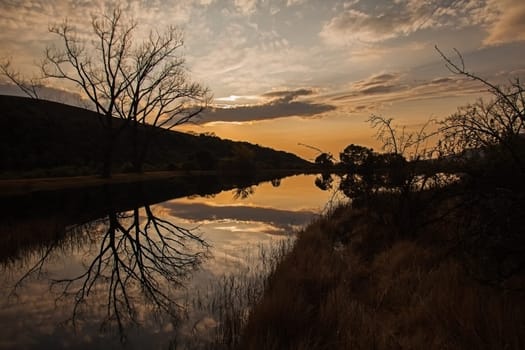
[(24, 186), (9, 187), (359, 278)]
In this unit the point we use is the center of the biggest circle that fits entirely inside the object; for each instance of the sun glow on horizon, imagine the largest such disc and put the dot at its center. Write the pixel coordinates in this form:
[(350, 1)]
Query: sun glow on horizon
[(235, 98), (289, 72)]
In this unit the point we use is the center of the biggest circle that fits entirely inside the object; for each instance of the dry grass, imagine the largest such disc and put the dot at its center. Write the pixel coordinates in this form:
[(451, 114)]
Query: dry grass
[(224, 306), (349, 283)]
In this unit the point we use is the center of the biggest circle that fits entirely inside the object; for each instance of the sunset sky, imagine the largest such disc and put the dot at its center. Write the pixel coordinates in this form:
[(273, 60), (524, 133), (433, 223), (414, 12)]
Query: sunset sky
[(290, 72)]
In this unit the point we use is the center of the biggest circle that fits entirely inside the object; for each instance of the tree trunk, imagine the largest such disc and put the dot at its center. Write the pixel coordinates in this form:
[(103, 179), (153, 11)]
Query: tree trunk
[(135, 140), (108, 156)]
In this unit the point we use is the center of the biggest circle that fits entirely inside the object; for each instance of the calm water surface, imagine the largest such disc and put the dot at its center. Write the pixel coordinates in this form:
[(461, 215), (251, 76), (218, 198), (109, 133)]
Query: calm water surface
[(126, 270)]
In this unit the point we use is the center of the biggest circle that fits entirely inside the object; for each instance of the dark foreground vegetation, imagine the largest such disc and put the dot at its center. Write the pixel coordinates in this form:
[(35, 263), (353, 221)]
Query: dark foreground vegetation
[(440, 269), (40, 139), (429, 251)]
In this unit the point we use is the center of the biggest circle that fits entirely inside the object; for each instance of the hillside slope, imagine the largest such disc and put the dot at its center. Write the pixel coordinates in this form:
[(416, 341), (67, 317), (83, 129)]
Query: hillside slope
[(43, 138)]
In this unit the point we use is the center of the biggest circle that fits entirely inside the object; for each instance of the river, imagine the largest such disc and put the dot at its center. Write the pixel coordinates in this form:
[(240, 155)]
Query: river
[(106, 268)]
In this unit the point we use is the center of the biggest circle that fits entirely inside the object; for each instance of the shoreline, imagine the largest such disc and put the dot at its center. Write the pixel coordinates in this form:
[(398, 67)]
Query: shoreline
[(25, 186)]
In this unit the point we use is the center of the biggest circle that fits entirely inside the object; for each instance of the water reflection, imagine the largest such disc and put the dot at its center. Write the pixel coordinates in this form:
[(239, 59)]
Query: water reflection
[(134, 262), (324, 181), (243, 192), (139, 253), (125, 261)]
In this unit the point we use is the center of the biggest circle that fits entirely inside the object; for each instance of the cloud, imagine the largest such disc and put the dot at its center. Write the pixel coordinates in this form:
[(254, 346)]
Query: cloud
[(240, 57), (383, 89), (24, 24), (288, 95), (504, 20), (377, 84), (442, 80), (275, 217), (277, 104), (47, 93), (246, 7), (357, 23), (294, 2), (509, 25)]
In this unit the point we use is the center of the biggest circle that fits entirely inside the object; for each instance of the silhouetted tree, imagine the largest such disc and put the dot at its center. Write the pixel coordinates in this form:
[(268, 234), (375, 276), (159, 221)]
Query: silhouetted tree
[(276, 182), (360, 171), (243, 192), (324, 160), (500, 121), (324, 181), (406, 149), (394, 168), (140, 82), (397, 139), (354, 158)]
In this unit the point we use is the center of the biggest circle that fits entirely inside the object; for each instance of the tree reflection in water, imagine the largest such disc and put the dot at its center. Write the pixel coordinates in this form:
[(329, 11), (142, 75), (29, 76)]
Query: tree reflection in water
[(140, 258), (243, 192)]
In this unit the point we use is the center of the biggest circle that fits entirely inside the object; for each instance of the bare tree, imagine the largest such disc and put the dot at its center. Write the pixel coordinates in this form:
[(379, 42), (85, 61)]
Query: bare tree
[(159, 91), (412, 145), (482, 124), (139, 82), (406, 153)]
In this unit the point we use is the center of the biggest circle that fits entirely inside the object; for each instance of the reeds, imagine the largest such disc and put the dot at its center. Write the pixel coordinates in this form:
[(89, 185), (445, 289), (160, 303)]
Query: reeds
[(221, 310)]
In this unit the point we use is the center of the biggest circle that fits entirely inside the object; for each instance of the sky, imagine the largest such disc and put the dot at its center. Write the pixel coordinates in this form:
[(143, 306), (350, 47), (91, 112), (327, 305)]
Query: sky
[(289, 73)]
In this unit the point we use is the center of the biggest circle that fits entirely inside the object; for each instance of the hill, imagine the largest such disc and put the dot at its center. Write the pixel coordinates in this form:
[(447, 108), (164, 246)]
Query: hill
[(41, 138)]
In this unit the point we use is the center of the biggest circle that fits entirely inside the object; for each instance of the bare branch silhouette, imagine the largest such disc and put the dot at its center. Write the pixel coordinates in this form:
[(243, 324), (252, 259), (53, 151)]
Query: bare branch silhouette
[(143, 83), (29, 87), (509, 97), (140, 259), (398, 140), (482, 124), (150, 257)]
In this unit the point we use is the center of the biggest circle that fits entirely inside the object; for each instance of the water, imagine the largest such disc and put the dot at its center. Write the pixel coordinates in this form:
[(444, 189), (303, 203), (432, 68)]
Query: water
[(106, 268)]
